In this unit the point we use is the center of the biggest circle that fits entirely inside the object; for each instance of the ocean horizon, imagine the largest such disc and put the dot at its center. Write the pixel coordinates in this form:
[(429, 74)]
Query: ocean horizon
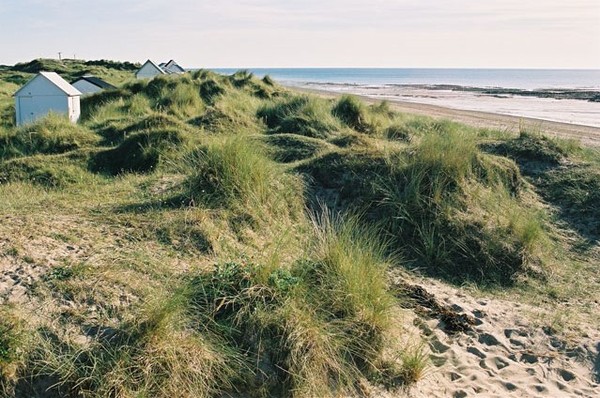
[(524, 79)]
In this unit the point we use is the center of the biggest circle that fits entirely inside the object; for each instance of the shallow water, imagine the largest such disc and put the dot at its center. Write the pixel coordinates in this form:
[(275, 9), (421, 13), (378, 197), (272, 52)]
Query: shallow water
[(405, 84), (558, 110)]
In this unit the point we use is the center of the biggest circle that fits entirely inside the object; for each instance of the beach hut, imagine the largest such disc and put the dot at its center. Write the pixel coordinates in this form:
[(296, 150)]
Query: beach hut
[(46, 92), (171, 67), (149, 70), (91, 84)]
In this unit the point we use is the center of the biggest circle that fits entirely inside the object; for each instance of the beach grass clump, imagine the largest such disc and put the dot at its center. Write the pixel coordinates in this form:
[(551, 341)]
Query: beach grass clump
[(317, 325), (92, 103), (303, 115), (287, 148), (406, 129), (531, 147), (233, 113), (268, 80), (575, 191), (114, 131), (7, 115), (154, 355), (247, 82), (352, 112), (139, 153), (343, 179), (439, 200), (137, 105), (182, 100), (398, 132), (233, 173), (49, 135), (11, 350), (461, 211), (241, 78), (51, 171), (210, 90)]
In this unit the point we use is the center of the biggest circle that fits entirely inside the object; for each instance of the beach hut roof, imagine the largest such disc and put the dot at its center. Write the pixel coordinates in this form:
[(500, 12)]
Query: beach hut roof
[(56, 80), (96, 81), (150, 62)]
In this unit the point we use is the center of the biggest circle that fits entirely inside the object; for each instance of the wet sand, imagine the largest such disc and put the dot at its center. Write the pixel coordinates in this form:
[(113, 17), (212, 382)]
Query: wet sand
[(587, 135)]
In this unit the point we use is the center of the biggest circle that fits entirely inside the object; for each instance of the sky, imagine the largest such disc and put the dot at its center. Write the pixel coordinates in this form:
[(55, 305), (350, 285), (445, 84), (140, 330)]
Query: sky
[(307, 33)]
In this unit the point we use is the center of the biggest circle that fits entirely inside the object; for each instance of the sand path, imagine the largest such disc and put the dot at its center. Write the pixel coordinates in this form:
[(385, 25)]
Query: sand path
[(586, 134), (506, 354)]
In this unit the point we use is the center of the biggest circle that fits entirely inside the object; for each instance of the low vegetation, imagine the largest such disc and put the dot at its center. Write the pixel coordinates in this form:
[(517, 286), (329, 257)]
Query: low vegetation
[(205, 235)]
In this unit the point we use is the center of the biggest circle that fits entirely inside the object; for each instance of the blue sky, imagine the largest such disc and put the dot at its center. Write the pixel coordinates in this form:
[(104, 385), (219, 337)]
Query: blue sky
[(303, 33)]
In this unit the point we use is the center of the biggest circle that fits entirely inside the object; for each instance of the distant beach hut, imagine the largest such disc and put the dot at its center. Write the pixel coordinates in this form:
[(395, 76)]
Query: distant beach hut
[(46, 92), (171, 67), (149, 70), (91, 84)]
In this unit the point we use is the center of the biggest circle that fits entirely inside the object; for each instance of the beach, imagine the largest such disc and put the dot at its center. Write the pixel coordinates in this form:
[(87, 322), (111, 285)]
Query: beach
[(563, 118)]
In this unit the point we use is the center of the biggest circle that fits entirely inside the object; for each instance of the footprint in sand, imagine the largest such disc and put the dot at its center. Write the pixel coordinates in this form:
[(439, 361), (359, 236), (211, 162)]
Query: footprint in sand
[(566, 375), (438, 360), (488, 339), (509, 386), (540, 388), (517, 343), (437, 346), (529, 358), (500, 363), (477, 352), (512, 332)]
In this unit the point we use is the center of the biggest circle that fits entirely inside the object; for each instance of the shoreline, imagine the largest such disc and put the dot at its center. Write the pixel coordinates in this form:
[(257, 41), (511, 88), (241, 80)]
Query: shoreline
[(587, 135)]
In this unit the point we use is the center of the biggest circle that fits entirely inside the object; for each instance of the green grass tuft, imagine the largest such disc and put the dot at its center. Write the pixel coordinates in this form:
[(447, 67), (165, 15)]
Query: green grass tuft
[(140, 152), (316, 326), (303, 115), (50, 135)]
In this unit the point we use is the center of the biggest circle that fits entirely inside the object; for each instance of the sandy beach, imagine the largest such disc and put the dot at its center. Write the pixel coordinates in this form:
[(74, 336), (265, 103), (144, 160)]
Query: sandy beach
[(586, 134)]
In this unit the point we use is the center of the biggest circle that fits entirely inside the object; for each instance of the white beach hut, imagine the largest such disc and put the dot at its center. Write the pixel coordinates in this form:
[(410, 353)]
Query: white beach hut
[(46, 92), (172, 67), (149, 70), (91, 84)]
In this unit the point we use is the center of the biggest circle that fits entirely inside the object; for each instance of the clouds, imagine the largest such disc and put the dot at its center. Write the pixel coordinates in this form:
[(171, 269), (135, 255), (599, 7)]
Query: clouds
[(310, 32)]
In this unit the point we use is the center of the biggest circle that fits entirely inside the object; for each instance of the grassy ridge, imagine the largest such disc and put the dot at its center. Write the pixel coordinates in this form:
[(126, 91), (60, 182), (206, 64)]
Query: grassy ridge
[(215, 235)]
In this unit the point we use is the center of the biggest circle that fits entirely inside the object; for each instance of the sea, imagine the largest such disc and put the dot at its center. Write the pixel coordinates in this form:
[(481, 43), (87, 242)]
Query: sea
[(437, 87), (524, 79)]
